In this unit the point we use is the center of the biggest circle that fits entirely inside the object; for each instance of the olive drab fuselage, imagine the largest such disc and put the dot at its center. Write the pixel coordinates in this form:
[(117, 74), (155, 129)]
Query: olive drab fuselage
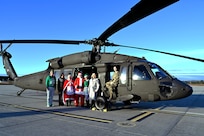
[(140, 80)]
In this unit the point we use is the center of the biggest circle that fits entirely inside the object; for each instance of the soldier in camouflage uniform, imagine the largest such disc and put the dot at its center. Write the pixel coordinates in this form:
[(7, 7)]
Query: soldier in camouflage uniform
[(112, 84)]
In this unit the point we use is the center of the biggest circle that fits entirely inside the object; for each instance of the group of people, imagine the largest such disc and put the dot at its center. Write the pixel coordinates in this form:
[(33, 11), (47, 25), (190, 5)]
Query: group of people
[(79, 90)]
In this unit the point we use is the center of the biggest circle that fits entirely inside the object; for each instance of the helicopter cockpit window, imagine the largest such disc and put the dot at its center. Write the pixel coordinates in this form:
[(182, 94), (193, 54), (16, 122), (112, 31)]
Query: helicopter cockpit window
[(123, 75), (158, 72), (140, 73)]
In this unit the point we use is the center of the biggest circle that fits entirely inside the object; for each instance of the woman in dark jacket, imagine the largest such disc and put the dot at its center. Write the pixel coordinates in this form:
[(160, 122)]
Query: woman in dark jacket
[(60, 84)]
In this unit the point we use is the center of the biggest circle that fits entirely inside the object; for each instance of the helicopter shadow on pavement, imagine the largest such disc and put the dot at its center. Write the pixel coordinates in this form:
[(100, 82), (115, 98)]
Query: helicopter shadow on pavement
[(51, 110), (193, 101)]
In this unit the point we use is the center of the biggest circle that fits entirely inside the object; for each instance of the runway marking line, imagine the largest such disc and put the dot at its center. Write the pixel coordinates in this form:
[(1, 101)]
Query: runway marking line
[(59, 113), (141, 116), (192, 114)]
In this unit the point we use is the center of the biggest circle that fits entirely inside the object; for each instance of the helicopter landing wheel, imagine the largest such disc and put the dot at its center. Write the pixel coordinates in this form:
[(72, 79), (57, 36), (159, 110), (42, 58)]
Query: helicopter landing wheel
[(20, 92), (100, 103)]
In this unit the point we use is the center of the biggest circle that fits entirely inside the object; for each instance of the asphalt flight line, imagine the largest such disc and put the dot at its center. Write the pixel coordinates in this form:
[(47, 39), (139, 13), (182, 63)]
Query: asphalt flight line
[(59, 113)]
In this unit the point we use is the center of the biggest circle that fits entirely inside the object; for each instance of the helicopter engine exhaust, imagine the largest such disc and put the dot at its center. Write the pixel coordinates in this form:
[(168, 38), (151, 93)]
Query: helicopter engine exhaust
[(87, 57)]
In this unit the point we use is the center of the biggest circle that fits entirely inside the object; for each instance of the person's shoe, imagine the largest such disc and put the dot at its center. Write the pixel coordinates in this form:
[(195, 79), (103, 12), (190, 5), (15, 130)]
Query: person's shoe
[(61, 104), (105, 110), (93, 109)]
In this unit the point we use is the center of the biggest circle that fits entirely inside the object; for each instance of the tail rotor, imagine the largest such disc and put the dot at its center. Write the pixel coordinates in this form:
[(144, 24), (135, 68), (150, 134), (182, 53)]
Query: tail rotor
[(7, 63)]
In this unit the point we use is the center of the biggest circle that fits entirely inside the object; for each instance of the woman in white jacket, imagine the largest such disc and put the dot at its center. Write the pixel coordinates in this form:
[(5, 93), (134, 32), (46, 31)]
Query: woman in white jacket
[(93, 89)]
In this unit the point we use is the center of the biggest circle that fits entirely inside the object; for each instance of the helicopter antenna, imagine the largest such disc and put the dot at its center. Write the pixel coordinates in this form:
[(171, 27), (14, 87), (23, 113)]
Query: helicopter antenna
[(104, 49), (116, 51)]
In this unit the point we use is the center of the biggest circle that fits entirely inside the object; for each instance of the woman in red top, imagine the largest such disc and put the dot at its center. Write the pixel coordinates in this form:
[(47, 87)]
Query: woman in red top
[(79, 90), (68, 89)]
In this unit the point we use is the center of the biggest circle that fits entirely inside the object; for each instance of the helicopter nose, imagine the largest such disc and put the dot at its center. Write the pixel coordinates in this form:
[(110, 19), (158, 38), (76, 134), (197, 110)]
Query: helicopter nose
[(186, 91), (183, 90)]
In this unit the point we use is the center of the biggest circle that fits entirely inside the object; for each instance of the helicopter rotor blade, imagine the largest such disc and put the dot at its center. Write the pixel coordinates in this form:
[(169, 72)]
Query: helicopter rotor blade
[(8, 46), (172, 54), (137, 12), (1, 47), (45, 41)]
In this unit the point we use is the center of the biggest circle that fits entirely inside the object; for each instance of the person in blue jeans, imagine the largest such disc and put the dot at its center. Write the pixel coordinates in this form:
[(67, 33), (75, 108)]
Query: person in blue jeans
[(50, 87)]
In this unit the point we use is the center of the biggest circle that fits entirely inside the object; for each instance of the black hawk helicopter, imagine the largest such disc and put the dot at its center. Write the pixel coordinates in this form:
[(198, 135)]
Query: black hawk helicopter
[(140, 79)]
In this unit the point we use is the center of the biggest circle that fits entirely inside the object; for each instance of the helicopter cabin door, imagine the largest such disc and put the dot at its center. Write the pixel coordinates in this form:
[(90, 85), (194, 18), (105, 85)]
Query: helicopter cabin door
[(125, 84)]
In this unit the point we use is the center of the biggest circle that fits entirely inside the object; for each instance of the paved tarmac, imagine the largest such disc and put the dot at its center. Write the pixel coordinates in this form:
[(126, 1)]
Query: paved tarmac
[(28, 115)]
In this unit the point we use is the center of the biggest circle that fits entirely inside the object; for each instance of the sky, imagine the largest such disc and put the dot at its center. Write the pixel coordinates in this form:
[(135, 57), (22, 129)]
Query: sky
[(177, 28)]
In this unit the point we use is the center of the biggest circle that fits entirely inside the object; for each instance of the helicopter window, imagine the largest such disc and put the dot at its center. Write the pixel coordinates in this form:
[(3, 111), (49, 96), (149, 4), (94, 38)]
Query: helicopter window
[(158, 72), (123, 75), (140, 73), (67, 71), (57, 73), (111, 75)]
